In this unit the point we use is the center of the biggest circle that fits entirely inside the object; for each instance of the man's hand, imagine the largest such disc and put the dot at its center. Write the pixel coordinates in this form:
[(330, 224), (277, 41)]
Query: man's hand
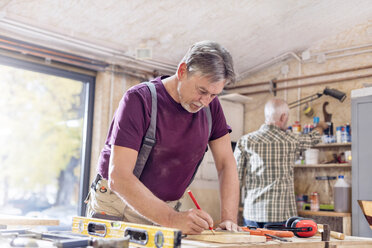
[(193, 221), (230, 226), (321, 127)]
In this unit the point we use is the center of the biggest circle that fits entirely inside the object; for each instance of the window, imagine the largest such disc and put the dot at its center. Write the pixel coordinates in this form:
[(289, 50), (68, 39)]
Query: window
[(45, 140)]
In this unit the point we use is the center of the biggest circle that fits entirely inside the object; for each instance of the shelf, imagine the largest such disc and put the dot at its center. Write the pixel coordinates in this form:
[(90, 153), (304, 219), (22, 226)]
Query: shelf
[(324, 213), (331, 145), (345, 165), (317, 213)]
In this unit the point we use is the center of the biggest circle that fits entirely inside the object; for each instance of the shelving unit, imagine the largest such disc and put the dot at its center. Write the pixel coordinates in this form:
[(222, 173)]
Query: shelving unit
[(345, 165), (340, 222), (305, 183), (323, 213), (330, 145)]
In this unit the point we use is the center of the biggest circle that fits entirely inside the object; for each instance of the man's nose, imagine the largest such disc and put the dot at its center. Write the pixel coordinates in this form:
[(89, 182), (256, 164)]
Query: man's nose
[(205, 100)]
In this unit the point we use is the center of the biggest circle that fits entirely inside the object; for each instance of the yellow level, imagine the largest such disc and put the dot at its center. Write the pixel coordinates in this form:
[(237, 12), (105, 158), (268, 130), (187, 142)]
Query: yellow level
[(140, 235)]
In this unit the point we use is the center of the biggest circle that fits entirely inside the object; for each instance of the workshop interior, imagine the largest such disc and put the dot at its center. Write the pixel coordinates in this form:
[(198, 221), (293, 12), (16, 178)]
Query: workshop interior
[(66, 65)]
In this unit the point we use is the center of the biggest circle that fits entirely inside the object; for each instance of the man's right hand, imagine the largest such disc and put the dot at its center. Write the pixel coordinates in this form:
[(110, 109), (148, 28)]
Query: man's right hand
[(192, 221), (323, 125)]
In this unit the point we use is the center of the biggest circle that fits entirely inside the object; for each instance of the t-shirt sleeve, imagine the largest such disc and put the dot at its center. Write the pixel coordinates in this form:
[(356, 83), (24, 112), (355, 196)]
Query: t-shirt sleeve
[(130, 121), (219, 125), (306, 141)]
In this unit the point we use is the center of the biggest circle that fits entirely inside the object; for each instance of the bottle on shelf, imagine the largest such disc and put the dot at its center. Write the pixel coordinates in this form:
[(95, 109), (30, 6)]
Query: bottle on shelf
[(342, 195), (296, 128), (348, 132), (343, 135), (339, 134), (305, 129), (315, 121), (314, 201)]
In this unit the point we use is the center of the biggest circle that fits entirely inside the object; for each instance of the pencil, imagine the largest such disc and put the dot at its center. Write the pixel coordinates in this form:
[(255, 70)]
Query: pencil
[(197, 206)]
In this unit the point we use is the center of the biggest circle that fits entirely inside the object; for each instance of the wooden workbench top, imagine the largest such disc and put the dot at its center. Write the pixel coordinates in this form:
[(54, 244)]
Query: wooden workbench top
[(9, 220), (313, 242)]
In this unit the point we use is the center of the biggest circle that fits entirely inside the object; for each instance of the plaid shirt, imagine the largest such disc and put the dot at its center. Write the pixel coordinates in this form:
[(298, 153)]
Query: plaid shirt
[(265, 161)]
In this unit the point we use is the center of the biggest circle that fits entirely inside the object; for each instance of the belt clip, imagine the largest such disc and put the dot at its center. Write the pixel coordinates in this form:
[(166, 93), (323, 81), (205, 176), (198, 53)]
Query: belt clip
[(102, 189)]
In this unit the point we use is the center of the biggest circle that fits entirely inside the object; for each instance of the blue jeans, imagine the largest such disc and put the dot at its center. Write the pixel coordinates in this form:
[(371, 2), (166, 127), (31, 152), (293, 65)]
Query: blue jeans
[(261, 224)]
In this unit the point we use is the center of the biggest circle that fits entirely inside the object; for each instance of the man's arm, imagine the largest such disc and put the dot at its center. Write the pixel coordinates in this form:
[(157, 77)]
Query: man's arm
[(123, 182), (229, 183), (306, 141)]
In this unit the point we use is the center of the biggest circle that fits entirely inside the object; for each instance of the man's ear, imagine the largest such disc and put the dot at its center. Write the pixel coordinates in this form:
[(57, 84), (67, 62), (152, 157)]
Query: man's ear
[(182, 71), (283, 117)]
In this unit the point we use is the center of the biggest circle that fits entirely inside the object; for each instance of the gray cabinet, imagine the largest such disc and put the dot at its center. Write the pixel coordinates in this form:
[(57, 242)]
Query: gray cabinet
[(361, 111)]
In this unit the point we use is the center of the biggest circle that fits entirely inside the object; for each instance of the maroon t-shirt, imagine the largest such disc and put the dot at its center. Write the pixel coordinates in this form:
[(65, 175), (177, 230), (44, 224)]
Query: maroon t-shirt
[(181, 138)]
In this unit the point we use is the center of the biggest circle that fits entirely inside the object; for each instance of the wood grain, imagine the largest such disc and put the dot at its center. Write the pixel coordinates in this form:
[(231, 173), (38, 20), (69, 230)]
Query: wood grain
[(9, 220), (227, 237)]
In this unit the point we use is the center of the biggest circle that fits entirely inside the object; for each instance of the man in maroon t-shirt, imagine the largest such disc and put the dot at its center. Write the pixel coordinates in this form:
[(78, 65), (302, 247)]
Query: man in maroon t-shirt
[(182, 135)]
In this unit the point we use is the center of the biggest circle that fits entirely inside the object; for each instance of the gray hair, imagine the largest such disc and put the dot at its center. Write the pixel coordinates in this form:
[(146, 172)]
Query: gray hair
[(210, 59), (274, 108)]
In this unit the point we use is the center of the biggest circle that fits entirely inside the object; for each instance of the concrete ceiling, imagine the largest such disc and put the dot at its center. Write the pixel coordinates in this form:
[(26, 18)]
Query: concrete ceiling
[(254, 31)]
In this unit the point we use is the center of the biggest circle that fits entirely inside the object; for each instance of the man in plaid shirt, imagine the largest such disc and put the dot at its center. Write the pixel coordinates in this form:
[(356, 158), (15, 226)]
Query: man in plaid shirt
[(265, 160)]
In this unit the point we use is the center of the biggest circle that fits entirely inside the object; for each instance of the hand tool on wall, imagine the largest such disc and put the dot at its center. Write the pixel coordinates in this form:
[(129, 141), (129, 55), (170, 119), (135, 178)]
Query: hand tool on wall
[(327, 116)]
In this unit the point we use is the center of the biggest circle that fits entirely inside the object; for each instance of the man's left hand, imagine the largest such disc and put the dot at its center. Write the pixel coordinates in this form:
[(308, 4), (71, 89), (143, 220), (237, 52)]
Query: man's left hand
[(230, 226)]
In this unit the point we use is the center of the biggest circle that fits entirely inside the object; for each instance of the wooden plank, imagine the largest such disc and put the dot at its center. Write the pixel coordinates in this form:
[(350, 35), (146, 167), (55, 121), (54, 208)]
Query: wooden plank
[(366, 207), (340, 165), (313, 242), (10, 220), (324, 213), (330, 145), (227, 237), (333, 234), (346, 225)]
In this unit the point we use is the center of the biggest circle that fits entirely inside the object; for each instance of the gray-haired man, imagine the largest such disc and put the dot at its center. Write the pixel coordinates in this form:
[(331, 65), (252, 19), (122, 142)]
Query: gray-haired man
[(182, 135), (265, 161)]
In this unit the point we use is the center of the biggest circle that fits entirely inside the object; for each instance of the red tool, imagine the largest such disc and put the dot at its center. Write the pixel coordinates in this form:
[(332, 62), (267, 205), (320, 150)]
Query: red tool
[(268, 233), (197, 205)]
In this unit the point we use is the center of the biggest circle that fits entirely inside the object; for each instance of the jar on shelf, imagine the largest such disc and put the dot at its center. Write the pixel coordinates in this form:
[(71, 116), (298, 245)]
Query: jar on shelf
[(296, 128), (314, 201)]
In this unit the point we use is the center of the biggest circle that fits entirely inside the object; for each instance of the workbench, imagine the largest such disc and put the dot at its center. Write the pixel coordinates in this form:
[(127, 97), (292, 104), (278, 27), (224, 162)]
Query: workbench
[(313, 242)]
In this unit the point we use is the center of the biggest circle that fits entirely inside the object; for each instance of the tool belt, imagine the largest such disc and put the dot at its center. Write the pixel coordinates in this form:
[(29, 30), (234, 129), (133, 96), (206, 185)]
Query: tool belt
[(95, 181), (176, 206)]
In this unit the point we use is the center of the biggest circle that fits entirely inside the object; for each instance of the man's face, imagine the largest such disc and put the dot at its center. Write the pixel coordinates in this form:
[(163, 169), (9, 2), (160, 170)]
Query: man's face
[(196, 92)]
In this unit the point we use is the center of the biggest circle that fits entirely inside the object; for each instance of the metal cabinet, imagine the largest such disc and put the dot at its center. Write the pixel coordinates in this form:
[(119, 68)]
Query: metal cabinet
[(361, 111)]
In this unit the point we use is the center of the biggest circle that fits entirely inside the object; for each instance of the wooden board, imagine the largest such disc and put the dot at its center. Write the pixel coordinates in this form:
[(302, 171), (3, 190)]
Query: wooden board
[(366, 207), (313, 242), (10, 220), (227, 237)]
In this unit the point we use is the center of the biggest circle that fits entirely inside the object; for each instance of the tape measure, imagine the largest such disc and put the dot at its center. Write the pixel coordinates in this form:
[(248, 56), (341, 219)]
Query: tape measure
[(139, 235)]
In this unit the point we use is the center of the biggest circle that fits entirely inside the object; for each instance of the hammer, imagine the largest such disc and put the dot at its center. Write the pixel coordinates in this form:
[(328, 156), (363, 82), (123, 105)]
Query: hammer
[(336, 235)]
